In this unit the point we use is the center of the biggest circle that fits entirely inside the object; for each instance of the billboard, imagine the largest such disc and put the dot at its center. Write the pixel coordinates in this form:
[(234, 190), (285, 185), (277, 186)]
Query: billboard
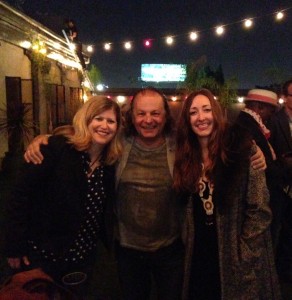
[(163, 72)]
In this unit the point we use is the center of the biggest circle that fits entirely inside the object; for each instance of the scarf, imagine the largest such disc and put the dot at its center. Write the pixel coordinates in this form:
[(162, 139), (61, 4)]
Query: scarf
[(266, 132)]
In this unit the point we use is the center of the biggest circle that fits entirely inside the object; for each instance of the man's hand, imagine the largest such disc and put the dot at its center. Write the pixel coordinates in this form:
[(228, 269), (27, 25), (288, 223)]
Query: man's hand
[(33, 153), (15, 262), (258, 161)]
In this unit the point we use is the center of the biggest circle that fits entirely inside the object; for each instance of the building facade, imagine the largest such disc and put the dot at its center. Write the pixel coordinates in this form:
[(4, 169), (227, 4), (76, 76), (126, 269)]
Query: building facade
[(40, 79)]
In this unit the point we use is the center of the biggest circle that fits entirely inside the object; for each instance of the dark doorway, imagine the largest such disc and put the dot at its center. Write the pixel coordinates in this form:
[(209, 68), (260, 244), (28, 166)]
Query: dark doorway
[(14, 108)]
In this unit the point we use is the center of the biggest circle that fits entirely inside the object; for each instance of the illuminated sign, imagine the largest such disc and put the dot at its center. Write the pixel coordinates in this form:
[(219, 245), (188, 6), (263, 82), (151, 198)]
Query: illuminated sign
[(163, 72)]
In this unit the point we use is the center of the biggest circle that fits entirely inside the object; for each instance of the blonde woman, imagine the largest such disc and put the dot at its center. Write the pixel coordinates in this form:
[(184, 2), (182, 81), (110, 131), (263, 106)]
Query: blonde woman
[(59, 209)]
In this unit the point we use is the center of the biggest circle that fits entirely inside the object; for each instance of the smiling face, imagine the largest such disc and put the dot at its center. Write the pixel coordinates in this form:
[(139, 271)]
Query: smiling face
[(149, 117), (103, 128), (201, 117)]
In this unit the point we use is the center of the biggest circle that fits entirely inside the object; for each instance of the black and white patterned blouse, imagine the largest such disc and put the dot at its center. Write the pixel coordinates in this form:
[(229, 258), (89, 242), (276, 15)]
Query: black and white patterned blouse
[(92, 222)]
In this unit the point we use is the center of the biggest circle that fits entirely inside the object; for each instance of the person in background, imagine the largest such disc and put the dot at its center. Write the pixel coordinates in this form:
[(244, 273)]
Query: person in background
[(72, 34), (228, 244), (148, 212), (58, 210), (71, 30), (260, 105), (280, 126)]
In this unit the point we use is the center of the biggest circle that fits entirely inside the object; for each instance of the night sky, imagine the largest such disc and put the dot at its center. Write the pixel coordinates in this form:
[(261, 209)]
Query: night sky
[(244, 54)]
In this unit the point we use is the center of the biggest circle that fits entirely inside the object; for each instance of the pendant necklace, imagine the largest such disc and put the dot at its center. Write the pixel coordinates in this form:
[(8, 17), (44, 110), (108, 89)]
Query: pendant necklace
[(206, 195), (90, 169)]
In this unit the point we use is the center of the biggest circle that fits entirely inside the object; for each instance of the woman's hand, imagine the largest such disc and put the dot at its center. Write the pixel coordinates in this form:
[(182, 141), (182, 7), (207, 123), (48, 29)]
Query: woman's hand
[(33, 153), (16, 262), (257, 160)]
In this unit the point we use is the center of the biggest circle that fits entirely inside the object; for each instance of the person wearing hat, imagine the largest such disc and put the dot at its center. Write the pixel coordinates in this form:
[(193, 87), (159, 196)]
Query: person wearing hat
[(260, 105), (281, 140)]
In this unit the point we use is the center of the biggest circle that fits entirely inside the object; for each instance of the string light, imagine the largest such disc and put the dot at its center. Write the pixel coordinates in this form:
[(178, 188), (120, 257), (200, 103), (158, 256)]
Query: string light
[(100, 87), (147, 43), (57, 46), (128, 45), (169, 40), (67, 62), (86, 84), (40, 46), (121, 99), (193, 36), (25, 44), (35, 47), (279, 16), (55, 56), (90, 48), (43, 51), (248, 23), (107, 46), (219, 30)]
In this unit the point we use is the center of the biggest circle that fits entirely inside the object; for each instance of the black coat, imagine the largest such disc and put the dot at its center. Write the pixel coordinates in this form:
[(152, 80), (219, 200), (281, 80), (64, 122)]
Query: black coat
[(274, 172), (281, 140), (243, 217), (46, 204)]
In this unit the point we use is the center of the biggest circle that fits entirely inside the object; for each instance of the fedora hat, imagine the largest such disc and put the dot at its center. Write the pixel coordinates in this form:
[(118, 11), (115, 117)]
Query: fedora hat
[(264, 96)]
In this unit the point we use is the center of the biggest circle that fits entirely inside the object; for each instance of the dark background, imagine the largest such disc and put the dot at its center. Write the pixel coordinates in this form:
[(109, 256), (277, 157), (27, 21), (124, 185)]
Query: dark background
[(244, 54)]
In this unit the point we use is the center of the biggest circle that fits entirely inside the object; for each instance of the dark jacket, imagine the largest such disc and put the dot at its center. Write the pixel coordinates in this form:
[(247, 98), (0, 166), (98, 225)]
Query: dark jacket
[(274, 172), (243, 217), (46, 203), (281, 140)]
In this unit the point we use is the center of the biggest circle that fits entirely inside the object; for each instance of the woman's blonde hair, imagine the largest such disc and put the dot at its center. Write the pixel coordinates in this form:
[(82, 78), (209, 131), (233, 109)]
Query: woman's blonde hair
[(82, 139)]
